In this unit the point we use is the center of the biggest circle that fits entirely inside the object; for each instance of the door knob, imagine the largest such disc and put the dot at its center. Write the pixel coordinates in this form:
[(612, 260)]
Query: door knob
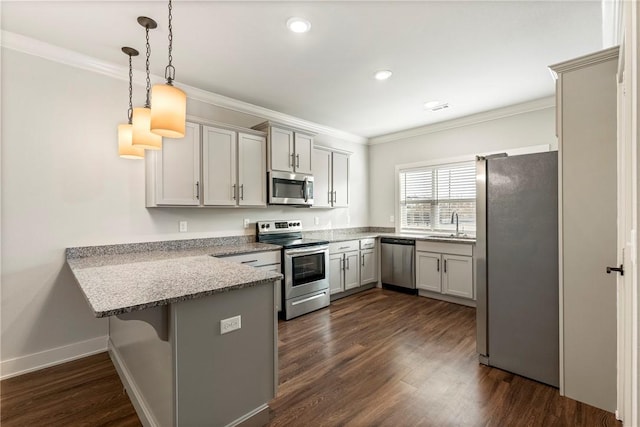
[(618, 269)]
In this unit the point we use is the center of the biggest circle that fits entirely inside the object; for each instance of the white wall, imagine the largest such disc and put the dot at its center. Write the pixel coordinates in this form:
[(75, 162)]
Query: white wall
[(64, 185), (521, 130)]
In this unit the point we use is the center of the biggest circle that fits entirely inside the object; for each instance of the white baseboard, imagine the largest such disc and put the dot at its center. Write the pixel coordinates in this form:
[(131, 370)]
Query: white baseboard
[(55, 356), (139, 404)]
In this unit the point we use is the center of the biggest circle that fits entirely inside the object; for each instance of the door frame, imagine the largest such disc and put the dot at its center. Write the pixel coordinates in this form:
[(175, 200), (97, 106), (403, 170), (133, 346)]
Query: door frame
[(628, 197)]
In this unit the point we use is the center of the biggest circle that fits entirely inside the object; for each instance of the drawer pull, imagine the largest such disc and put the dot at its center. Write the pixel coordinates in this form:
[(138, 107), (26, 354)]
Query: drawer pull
[(248, 262)]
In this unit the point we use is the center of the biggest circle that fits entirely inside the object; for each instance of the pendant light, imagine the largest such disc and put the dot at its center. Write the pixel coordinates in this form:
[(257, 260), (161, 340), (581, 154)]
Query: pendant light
[(125, 131), (142, 136), (169, 104)]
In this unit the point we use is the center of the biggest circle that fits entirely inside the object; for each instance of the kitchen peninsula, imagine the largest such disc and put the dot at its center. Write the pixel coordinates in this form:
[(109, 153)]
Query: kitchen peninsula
[(192, 336)]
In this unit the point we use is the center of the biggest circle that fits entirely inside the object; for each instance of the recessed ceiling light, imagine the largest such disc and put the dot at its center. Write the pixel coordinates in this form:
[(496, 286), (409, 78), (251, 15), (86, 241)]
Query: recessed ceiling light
[(298, 25), (382, 74)]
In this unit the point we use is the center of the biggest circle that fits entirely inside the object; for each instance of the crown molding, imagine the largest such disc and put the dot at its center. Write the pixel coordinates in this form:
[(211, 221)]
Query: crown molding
[(512, 110), (71, 58), (586, 60)]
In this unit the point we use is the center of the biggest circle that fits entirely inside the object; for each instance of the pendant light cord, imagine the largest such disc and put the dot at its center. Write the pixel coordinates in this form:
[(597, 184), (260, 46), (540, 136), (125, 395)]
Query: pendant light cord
[(130, 110), (170, 71), (148, 101)]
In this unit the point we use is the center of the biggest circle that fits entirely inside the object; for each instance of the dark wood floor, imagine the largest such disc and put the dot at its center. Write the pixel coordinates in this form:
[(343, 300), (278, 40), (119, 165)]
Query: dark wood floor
[(378, 358), (85, 392)]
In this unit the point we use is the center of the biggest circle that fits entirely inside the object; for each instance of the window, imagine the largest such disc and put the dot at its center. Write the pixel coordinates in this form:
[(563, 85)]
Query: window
[(430, 195)]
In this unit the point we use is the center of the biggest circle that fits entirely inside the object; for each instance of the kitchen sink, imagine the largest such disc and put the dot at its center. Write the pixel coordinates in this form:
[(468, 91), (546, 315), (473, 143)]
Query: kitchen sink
[(451, 236)]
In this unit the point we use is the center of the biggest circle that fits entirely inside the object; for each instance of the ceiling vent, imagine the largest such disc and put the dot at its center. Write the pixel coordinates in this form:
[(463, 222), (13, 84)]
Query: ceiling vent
[(440, 107)]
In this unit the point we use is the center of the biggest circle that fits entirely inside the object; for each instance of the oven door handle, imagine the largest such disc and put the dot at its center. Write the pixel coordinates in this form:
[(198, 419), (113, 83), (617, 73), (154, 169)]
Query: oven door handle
[(313, 250), (309, 299)]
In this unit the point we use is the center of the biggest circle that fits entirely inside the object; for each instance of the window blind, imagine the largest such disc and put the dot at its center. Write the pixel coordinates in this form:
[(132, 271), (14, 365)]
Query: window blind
[(429, 196)]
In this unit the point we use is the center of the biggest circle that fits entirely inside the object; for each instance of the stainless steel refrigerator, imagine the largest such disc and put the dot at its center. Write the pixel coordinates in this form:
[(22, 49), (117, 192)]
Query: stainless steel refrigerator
[(516, 264)]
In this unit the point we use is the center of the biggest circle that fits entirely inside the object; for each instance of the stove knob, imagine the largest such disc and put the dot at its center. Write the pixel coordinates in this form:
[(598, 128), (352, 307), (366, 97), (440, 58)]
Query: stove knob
[(298, 224), (290, 224), (263, 226), (268, 225)]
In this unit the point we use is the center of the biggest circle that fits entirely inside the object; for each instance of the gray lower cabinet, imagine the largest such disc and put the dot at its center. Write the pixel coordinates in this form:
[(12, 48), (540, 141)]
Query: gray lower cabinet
[(445, 269), (352, 264), (368, 261), (344, 266)]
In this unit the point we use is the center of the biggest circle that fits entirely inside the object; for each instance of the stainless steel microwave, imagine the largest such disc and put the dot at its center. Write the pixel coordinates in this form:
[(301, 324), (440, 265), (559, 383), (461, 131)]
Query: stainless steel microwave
[(290, 189)]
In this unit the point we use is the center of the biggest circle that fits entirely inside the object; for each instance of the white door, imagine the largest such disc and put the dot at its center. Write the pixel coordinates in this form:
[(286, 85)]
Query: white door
[(178, 169), (351, 270), (588, 176), (303, 152), (340, 180), (281, 149), (252, 172), (368, 267), (336, 273), (457, 276), (321, 178), (428, 273), (219, 166)]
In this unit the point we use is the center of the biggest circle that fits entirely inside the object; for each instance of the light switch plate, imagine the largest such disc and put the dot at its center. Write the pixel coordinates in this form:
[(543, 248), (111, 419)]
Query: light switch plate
[(183, 226), (230, 324), (392, 218), (316, 220), (246, 222)]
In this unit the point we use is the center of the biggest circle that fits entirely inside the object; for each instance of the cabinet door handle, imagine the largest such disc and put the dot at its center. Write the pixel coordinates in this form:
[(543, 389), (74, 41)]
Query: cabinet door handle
[(438, 265), (362, 259), (197, 190), (329, 197), (342, 264), (297, 160), (241, 191), (445, 265), (234, 191), (347, 259), (291, 164), (335, 196)]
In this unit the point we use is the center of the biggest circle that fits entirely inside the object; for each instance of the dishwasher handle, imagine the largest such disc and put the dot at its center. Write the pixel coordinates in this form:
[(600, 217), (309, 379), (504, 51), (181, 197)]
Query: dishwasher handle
[(393, 241)]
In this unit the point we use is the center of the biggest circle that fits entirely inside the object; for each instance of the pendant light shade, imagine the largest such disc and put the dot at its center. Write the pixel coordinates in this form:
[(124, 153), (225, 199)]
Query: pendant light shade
[(168, 111), (168, 103), (142, 136), (126, 149)]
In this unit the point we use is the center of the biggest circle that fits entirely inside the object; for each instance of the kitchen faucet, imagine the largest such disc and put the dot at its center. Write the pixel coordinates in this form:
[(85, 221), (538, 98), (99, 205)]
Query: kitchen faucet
[(455, 214)]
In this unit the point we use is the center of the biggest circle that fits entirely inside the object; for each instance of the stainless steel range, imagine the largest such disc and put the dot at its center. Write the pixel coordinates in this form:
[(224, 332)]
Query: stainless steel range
[(305, 266)]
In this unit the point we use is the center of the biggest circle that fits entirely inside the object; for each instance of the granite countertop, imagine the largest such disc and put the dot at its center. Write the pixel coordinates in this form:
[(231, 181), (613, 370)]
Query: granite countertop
[(115, 281)]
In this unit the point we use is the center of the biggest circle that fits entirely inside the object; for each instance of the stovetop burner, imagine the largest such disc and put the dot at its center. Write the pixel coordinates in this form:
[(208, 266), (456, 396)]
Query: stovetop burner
[(285, 233), (297, 243)]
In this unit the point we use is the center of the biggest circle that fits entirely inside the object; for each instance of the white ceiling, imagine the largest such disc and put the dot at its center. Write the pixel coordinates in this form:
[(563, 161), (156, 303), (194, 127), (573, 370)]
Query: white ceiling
[(476, 55)]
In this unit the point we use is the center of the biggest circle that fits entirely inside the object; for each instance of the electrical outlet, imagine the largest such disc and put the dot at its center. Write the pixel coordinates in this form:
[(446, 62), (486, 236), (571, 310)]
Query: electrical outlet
[(392, 218), (230, 324), (183, 226), (246, 222), (316, 220)]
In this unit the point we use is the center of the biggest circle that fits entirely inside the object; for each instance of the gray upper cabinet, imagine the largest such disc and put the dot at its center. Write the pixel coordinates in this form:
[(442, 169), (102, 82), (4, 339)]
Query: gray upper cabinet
[(289, 149), (220, 166), (217, 166), (173, 173), (331, 178)]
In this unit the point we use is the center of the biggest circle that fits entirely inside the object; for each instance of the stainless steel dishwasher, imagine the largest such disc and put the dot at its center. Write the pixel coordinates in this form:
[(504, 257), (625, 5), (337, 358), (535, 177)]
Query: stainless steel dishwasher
[(398, 264)]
